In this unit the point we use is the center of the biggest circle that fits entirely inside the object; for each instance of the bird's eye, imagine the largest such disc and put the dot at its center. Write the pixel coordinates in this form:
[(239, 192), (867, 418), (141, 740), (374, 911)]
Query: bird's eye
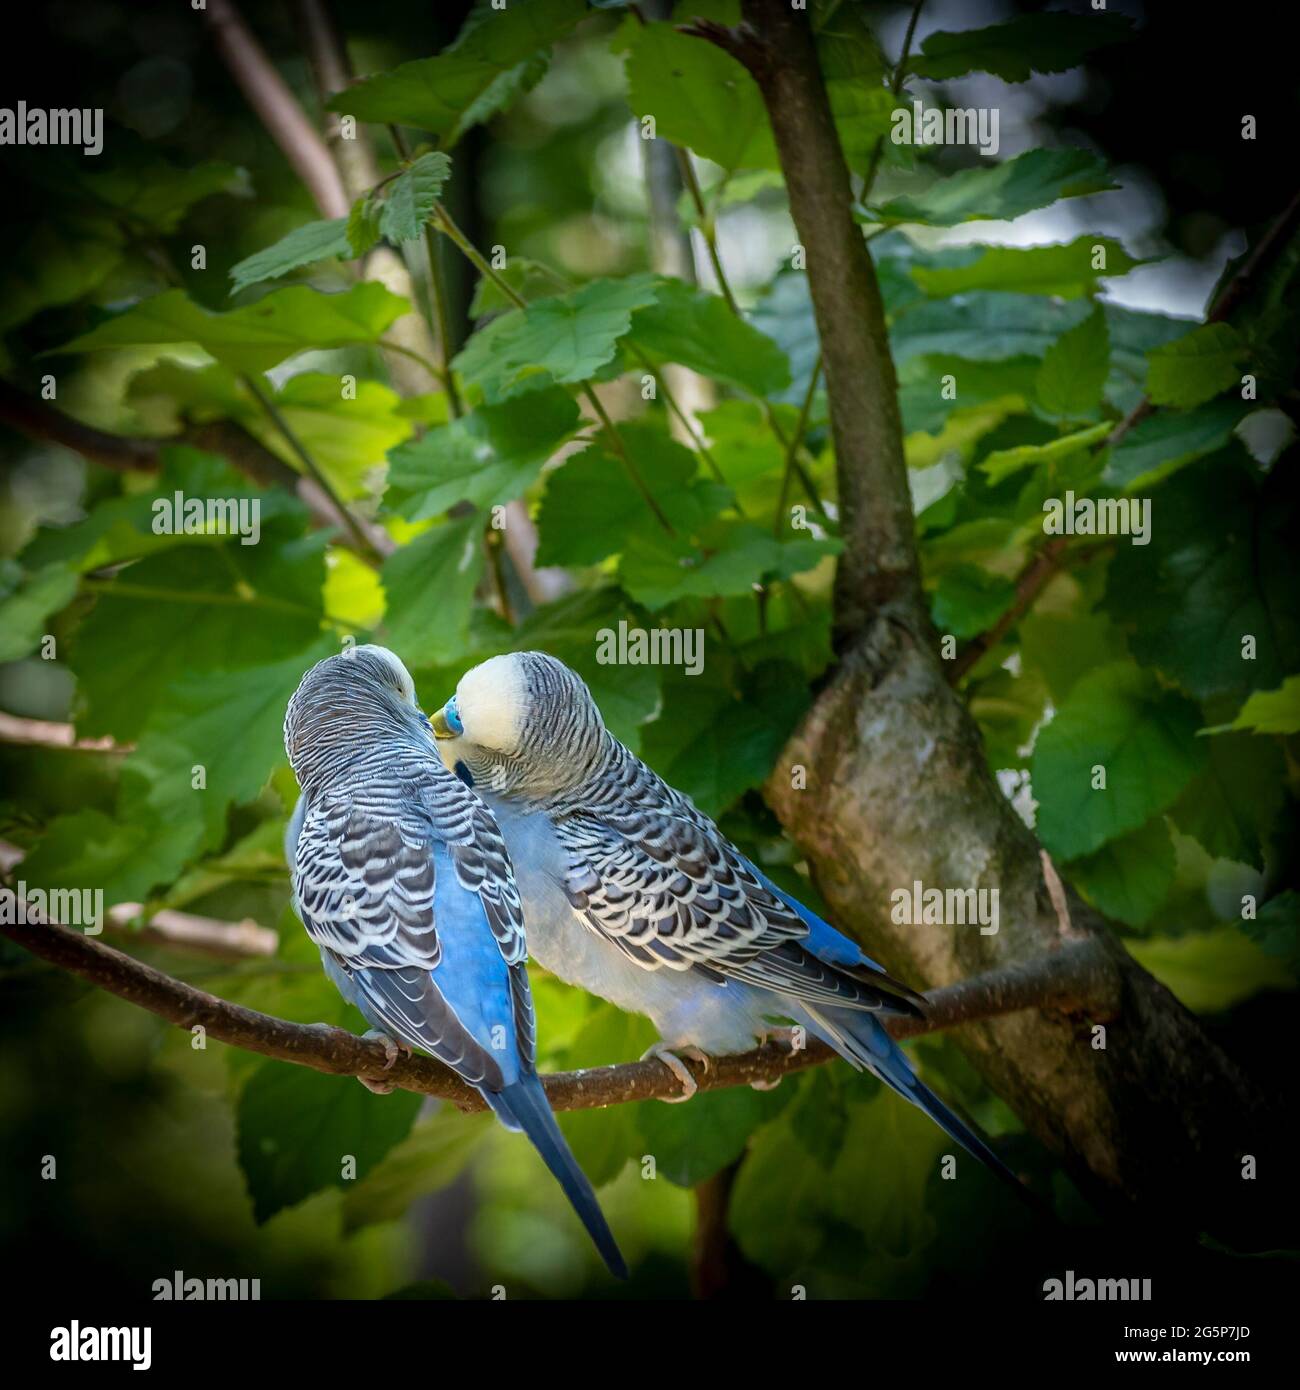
[(453, 717)]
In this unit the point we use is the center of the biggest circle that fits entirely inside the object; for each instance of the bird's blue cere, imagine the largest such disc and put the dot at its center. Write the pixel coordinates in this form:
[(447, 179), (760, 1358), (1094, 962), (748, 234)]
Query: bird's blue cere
[(452, 716)]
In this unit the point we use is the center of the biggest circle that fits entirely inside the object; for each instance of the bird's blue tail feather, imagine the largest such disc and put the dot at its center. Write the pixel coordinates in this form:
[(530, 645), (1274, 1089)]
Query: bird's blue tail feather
[(860, 1038), (523, 1106)]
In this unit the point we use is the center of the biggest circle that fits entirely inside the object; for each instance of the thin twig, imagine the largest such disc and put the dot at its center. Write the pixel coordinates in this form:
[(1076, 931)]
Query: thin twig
[(792, 448), (357, 531), (438, 298), (896, 86), (435, 371), (707, 229)]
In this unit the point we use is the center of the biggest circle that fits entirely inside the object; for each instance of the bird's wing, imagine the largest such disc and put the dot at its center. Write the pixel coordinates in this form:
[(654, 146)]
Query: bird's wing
[(659, 880), (410, 889)]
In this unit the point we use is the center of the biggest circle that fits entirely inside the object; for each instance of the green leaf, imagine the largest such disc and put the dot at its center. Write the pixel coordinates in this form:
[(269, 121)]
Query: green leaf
[(1118, 721), (230, 724), (253, 337), (1276, 931), (603, 1140), (867, 1206), (1230, 807), (1066, 271), (1066, 643), (89, 850), (1272, 711), (313, 241), (1075, 368), (259, 853), (1016, 50), (960, 432), (1210, 971), (1004, 462), (928, 400), (149, 191), (1196, 368), (301, 1131), (688, 1149), (363, 225), (485, 458), (412, 195), (854, 70), (193, 609), (1129, 877), (1031, 180), (700, 97), (26, 606), (592, 509), (346, 426), (1211, 600), (747, 452), (983, 326), (657, 568), (564, 338), (779, 1176), (347, 435), (1134, 334), (699, 331), (528, 278), (1008, 706), (122, 527), (430, 584), (969, 600), (785, 315), (1169, 440), (75, 235), (714, 743), (496, 56), (433, 1155), (56, 261)]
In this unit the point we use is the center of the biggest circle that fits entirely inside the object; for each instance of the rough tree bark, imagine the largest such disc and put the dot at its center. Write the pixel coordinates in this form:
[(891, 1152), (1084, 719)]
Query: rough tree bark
[(898, 788)]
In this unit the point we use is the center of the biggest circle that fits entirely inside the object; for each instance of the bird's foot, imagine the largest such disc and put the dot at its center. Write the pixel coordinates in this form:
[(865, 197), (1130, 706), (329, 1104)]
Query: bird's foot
[(672, 1059), (788, 1036), (793, 1038), (392, 1051)]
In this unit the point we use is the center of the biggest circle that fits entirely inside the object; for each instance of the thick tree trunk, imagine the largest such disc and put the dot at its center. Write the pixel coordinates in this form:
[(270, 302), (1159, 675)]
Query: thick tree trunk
[(898, 788)]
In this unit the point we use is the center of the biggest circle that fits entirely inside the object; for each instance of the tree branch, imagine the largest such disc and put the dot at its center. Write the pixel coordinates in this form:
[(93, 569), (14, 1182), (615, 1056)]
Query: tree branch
[(1079, 979), (885, 782), (277, 107), (240, 448), (49, 733), (41, 421), (879, 567)]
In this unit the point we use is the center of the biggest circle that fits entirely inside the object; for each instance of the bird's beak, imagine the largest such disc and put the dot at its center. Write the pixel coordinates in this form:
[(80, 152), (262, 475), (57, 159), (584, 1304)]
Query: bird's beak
[(438, 723)]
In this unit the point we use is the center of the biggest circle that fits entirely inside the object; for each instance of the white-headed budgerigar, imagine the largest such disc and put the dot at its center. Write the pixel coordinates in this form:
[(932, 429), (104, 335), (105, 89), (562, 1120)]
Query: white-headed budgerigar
[(635, 895), (402, 878)]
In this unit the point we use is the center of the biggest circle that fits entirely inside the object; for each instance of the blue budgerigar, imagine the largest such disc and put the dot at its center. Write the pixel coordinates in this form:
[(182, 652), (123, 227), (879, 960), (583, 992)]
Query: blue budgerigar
[(634, 894), (402, 878)]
